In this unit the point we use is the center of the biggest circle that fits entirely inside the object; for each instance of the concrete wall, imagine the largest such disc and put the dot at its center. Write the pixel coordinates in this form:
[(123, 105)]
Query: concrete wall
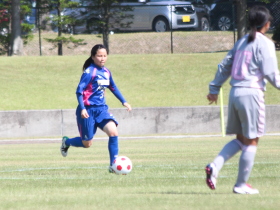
[(141, 121)]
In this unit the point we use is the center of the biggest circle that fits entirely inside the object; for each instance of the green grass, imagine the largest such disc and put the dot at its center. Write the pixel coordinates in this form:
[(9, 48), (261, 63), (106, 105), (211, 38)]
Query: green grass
[(146, 80), (167, 174)]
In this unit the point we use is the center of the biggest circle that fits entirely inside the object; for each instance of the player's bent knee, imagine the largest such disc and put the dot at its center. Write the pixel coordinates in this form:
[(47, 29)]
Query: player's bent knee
[(87, 144), (247, 141), (112, 134)]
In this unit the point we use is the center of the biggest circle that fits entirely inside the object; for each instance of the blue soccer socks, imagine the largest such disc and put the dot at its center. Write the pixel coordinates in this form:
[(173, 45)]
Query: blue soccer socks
[(75, 142), (113, 147)]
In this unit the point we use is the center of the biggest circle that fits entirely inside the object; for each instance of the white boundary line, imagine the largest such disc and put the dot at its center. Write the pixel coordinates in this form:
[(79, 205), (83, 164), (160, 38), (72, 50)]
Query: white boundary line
[(193, 167), (99, 178)]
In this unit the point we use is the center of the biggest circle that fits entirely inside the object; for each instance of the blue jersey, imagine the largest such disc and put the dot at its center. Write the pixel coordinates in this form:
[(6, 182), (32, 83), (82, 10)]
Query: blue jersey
[(91, 88)]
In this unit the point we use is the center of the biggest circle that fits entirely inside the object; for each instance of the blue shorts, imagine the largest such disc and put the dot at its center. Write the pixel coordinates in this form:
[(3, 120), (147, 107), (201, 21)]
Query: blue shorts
[(98, 117)]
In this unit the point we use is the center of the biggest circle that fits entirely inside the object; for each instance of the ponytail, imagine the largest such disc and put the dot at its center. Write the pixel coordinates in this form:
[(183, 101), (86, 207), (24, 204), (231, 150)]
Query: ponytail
[(252, 35), (87, 63)]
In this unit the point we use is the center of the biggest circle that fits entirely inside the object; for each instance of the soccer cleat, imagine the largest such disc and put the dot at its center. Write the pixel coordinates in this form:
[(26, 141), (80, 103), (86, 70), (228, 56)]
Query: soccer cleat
[(211, 176), (111, 170), (246, 189), (64, 148)]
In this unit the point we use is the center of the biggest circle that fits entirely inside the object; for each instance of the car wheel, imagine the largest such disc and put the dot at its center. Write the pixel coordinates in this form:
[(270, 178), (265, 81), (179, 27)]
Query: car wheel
[(224, 23), (203, 24), (161, 25)]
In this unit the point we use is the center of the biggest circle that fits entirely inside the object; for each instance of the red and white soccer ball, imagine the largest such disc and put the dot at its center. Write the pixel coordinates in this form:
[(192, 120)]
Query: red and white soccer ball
[(122, 165)]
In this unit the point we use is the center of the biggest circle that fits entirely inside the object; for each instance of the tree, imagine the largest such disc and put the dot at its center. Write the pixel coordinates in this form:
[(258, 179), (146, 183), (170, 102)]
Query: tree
[(60, 20), (16, 41), (111, 16), (241, 7), (13, 33), (104, 14), (4, 28)]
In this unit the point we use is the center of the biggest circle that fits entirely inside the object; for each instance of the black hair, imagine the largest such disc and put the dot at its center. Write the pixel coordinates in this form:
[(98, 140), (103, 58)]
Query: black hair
[(258, 17), (93, 53)]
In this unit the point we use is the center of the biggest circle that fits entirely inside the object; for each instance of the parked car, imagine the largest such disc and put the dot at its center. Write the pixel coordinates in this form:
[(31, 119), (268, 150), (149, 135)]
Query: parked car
[(223, 12), (30, 18), (222, 15), (84, 19), (147, 15), (203, 14), (162, 15)]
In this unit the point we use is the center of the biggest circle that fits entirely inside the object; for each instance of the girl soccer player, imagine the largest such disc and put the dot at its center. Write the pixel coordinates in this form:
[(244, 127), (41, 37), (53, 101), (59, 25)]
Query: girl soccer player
[(250, 63), (92, 111)]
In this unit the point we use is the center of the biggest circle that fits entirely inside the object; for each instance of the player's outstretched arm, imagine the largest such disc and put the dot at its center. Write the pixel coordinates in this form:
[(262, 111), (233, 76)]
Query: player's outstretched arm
[(127, 105)]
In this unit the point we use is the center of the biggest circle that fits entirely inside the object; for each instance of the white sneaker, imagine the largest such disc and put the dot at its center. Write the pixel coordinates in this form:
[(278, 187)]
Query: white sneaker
[(246, 189), (211, 176)]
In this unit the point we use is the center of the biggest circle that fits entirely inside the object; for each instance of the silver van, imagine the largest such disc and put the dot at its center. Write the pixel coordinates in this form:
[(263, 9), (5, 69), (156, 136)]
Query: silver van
[(162, 15), (145, 15)]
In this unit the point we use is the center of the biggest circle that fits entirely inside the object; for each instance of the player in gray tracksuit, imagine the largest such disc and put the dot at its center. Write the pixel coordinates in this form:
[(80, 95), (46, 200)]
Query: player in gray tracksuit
[(250, 64)]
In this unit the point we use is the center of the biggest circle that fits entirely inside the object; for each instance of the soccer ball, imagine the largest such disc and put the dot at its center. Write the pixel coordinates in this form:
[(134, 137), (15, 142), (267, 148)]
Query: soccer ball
[(122, 165)]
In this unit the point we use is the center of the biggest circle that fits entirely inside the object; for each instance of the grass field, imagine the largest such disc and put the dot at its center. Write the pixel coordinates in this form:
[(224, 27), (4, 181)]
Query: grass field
[(158, 80), (167, 174)]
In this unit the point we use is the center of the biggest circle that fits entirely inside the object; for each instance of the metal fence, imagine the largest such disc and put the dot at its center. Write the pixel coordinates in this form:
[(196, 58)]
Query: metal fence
[(185, 32)]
